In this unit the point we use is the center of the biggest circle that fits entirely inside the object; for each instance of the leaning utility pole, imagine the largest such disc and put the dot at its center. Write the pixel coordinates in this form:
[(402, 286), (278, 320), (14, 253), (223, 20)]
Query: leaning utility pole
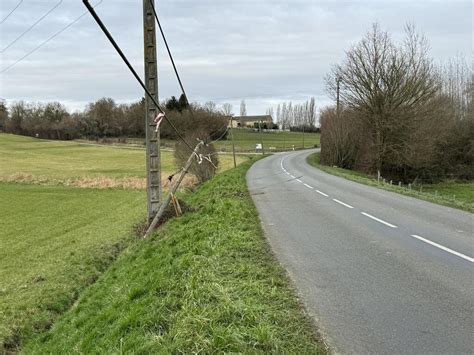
[(153, 176)]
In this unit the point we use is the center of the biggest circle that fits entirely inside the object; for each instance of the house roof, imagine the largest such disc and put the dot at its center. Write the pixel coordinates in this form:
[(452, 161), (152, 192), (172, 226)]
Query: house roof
[(263, 118)]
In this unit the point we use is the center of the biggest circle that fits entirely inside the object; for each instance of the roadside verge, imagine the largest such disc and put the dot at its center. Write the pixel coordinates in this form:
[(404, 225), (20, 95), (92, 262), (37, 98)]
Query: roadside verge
[(446, 196), (205, 282)]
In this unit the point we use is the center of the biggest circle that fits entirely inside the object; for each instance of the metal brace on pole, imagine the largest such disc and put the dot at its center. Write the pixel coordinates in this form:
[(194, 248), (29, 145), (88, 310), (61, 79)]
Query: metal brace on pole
[(173, 189)]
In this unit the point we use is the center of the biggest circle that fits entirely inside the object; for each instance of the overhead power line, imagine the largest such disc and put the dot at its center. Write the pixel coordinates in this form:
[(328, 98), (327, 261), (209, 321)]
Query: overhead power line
[(168, 49), (174, 65), (47, 40), (32, 26), (16, 7), (130, 67)]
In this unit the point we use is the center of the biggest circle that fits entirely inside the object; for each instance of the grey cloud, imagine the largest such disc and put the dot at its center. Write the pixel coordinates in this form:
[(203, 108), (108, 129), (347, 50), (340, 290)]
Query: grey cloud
[(264, 51)]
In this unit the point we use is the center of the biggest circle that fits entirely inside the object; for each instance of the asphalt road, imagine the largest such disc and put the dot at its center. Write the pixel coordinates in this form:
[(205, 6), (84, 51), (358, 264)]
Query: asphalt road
[(380, 272)]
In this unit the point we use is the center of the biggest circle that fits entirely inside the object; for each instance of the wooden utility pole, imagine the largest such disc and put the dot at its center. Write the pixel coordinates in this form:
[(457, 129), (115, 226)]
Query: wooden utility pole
[(232, 137), (338, 81), (261, 137), (303, 136), (153, 169)]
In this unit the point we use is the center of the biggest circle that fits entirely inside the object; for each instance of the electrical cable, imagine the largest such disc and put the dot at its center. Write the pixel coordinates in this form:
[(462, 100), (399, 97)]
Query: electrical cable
[(47, 40), (222, 135), (16, 7), (152, 3), (130, 67), (32, 26)]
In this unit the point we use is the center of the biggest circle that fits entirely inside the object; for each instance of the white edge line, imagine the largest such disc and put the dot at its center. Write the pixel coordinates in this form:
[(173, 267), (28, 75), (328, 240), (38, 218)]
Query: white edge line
[(299, 180), (292, 176), (322, 193), (443, 248), (308, 186), (342, 203), (379, 220)]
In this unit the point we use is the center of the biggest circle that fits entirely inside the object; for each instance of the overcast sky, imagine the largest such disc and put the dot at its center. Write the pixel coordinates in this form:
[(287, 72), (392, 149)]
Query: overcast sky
[(263, 51)]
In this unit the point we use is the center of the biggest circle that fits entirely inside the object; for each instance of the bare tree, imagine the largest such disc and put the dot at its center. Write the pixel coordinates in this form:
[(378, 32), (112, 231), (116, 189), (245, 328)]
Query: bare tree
[(278, 116), (210, 106), (3, 114), (457, 83), (340, 141), (227, 109), (388, 86), (243, 108)]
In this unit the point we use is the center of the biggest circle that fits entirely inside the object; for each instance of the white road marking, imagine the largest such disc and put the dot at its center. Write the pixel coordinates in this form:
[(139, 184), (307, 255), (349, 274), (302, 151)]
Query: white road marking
[(308, 186), (379, 220), (342, 203), (322, 193), (292, 176), (299, 180), (443, 248)]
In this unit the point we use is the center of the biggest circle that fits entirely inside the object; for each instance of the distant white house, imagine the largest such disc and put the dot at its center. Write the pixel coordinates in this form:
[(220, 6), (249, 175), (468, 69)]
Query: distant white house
[(249, 121)]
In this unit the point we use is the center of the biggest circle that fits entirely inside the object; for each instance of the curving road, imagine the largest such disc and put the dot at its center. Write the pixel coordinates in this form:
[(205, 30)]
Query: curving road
[(380, 272)]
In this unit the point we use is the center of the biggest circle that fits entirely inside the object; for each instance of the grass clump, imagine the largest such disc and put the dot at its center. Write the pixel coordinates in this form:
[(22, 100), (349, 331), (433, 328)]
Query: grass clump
[(205, 282), (451, 193)]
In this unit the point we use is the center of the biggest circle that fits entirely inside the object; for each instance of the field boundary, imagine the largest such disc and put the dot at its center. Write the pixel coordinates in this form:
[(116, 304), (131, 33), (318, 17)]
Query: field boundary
[(313, 160)]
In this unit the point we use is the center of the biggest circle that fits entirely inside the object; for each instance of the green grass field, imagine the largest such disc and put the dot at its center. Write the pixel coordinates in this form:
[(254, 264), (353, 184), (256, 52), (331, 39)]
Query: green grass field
[(245, 140), (453, 194), (31, 159), (72, 243), (61, 159), (205, 283), (55, 241)]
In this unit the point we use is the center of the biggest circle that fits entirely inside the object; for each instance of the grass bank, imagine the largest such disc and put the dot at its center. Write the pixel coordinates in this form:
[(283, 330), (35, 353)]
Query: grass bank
[(452, 194), (206, 282), (55, 241)]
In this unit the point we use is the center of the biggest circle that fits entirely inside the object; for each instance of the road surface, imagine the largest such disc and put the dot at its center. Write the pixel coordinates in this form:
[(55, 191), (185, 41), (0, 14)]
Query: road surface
[(380, 272)]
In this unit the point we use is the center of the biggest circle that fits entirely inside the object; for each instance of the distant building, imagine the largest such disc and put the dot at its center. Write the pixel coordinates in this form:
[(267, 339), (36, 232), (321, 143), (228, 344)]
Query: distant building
[(249, 121)]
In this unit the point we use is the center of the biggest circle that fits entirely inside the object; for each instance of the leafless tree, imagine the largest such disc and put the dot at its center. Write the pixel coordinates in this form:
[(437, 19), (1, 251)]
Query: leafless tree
[(227, 109), (457, 84), (340, 142), (388, 86), (243, 108), (210, 106)]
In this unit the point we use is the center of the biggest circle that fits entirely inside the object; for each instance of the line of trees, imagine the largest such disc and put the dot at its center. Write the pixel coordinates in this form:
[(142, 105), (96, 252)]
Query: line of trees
[(399, 114), (296, 117), (105, 118)]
